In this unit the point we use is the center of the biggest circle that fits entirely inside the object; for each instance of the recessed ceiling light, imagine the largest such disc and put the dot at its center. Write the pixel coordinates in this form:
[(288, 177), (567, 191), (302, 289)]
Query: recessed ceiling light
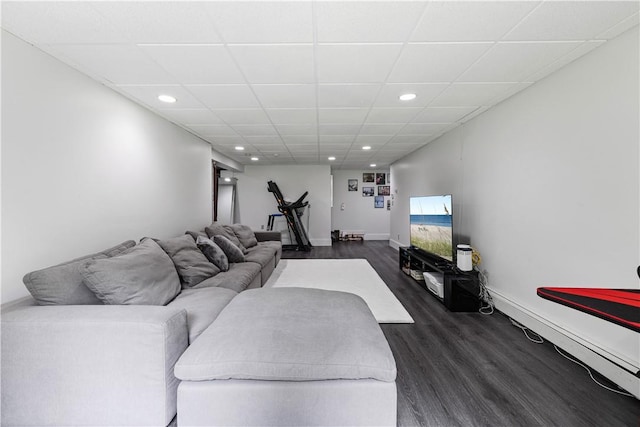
[(255, 159), (227, 179), (373, 165), (366, 147), (239, 148), (331, 158), (407, 96), (167, 98)]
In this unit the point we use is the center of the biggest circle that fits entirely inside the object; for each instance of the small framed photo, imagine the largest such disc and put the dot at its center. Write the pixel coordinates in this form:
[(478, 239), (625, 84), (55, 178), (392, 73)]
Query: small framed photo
[(381, 179), (353, 184), (378, 202), (384, 190), (368, 191), (368, 177)]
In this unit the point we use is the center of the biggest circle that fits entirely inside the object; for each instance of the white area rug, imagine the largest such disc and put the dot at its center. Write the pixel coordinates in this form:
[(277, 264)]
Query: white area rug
[(347, 275)]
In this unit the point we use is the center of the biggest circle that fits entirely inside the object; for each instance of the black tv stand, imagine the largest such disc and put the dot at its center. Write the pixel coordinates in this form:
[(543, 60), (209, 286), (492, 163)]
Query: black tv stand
[(457, 290)]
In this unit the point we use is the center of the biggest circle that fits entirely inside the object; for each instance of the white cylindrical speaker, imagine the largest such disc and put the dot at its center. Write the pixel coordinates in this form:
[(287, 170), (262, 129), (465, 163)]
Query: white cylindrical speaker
[(464, 258)]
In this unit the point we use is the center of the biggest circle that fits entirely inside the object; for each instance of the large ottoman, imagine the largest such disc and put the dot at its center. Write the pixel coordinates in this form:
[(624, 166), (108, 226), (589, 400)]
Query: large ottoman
[(289, 356)]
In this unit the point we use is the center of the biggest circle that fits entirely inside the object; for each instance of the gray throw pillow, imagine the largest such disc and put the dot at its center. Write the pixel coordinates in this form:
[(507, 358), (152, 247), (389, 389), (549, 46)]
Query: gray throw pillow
[(226, 231), (63, 284), (144, 275), (213, 253), (193, 267), (245, 234), (233, 253), (196, 234)]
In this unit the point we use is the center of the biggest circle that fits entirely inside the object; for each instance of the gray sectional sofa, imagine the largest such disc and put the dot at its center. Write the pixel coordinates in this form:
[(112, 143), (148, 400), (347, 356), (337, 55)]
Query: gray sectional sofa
[(108, 338)]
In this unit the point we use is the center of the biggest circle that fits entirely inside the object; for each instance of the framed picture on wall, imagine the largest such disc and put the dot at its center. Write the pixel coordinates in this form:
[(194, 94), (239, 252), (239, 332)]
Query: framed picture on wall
[(368, 191), (368, 177), (384, 190), (378, 202), (353, 185), (381, 178)]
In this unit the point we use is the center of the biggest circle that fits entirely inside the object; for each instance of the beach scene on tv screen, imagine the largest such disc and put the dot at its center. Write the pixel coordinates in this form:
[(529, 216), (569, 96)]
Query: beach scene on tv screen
[(431, 225)]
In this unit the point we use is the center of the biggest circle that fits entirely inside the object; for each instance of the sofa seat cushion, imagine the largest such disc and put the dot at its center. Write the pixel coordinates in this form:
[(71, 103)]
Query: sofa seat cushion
[(276, 245), (63, 284), (238, 278), (290, 334), (202, 307), (262, 255)]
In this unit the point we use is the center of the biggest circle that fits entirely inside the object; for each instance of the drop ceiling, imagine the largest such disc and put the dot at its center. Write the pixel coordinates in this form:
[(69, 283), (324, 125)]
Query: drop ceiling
[(298, 82)]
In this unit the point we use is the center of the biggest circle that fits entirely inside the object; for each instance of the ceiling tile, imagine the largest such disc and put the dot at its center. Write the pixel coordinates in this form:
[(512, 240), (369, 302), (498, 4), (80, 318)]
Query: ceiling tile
[(213, 130), (224, 96), (435, 62), (148, 95), (286, 96), (275, 63), (425, 93), (300, 139), (347, 95), (469, 20), (58, 22), (442, 115), (243, 116), (196, 64), (564, 60), (342, 115), (231, 140), (336, 139), (392, 115), (479, 111), (470, 94), (291, 116), (397, 141), (620, 28), (191, 116), (357, 63), (255, 130), (512, 62), (373, 140), (263, 22), (572, 20), (309, 129), (338, 129), (160, 22), (383, 21), (422, 128), (380, 129), (118, 64)]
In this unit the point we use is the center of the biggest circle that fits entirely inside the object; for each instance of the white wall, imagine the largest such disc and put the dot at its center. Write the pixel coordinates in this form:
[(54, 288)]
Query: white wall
[(546, 186), (83, 168), (358, 213), (256, 203)]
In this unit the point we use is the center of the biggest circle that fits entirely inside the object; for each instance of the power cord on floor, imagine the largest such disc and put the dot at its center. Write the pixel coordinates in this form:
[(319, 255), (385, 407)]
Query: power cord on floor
[(540, 340), (577, 362), (486, 306)]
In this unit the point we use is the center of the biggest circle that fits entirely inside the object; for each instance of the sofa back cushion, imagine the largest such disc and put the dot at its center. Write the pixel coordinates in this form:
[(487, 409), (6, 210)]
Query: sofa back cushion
[(191, 264), (226, 231), (63, 284), (144, 275), (245, 235), (213, 252), (233, 253)]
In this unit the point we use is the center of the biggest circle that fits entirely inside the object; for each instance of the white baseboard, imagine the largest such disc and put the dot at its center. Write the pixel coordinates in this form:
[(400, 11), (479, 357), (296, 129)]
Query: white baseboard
[(320, 242), (395, 244), (618, 370), (376, 236)]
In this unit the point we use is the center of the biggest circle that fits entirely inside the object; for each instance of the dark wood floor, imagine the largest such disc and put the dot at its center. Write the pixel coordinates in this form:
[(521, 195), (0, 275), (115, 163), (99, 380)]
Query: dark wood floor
[(469, 369)]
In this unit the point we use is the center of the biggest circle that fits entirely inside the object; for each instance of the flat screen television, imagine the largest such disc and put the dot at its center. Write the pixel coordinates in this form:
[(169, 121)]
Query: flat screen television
[(431, 223)]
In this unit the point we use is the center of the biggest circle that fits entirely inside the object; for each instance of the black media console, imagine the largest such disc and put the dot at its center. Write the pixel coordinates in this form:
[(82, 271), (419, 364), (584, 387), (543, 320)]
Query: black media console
[(457, 290)]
